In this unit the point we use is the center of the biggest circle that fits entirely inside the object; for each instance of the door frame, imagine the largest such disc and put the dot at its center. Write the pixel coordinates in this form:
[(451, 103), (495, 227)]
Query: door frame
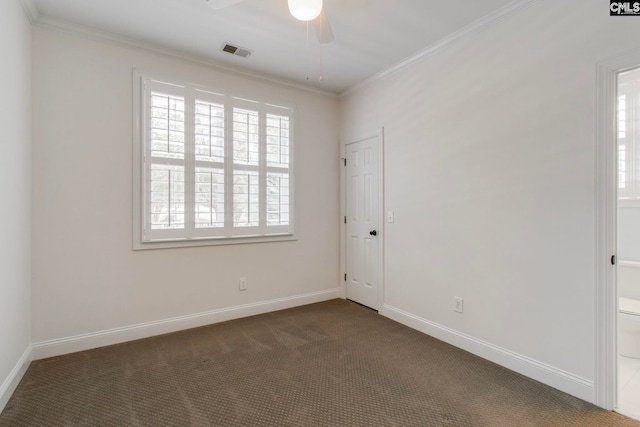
[(379, 135), (606, 292)]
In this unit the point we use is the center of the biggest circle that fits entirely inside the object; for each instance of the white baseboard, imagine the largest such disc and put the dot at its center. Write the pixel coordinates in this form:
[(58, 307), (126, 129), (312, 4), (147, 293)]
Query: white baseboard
[(554, 377), (15, 376), (83, 342)]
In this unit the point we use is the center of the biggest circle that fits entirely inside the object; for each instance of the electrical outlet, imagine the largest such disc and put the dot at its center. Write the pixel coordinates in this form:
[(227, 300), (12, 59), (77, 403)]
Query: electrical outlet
[(458, 304), (242, 284)]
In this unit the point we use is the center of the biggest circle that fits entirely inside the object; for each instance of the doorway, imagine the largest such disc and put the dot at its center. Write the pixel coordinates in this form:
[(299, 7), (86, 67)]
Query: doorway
[(363, 221), (609, 161), (628, 238)]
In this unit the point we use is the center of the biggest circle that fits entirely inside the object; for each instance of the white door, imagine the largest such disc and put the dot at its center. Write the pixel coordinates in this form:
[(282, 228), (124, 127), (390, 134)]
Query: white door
[(363, 228)]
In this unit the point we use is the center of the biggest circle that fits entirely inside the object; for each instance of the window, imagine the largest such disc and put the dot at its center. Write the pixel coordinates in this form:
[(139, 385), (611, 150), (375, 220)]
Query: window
[(210, 168), (629, 136)]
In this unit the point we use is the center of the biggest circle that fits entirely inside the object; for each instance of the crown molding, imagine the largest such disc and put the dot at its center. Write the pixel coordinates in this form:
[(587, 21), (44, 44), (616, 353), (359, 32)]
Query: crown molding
[(30, 9), (476, 26), (48, 22), (51, 23)]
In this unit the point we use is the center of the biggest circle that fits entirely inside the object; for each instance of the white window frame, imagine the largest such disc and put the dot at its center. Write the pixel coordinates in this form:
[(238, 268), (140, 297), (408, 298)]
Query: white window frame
[(191, 236)]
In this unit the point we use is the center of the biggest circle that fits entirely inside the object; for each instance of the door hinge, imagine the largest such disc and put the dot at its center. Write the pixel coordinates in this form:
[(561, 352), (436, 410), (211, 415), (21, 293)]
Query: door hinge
[(345, 161), (345, 219), (613, 260), (345, 277)]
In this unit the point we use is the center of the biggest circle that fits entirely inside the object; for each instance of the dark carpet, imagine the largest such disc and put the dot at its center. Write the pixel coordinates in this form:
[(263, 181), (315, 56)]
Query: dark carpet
[(329, 364)]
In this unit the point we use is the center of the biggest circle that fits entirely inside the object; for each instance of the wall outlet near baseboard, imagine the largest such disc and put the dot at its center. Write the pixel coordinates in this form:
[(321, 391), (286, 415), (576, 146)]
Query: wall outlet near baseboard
[(458, 304), (242, 284)]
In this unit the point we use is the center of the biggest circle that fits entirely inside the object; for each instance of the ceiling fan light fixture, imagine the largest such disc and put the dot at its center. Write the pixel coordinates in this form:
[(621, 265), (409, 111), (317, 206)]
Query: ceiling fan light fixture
[(305, 10)]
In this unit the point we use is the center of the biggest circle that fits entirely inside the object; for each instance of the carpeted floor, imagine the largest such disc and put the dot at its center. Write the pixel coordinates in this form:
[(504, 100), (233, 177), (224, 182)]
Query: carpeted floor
[(329, 364)]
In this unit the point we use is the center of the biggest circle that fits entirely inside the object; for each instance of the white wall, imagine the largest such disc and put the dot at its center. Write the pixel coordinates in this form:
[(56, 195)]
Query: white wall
[(628, 250), (629, 233), (15, 174), (629, 280), (490, 169), (86, 277)]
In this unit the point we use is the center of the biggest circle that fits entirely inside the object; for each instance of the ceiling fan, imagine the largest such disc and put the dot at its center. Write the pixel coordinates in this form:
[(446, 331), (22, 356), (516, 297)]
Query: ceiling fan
[(304, 10)]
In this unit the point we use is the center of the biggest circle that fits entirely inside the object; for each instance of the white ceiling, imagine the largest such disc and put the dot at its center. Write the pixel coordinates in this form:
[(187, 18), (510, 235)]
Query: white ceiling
[(370, 35)]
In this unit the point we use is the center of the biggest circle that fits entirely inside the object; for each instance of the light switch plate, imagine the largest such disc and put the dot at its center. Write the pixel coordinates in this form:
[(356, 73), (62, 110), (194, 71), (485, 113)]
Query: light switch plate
[(458, 304)]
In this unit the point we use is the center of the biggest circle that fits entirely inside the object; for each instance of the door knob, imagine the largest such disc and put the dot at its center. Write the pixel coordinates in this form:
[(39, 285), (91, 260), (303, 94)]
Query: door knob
[(373, 232)]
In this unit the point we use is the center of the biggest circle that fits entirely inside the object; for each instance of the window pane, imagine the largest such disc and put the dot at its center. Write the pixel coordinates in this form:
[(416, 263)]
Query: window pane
[(622, 155), (167, 131), (277, 199), (209, 132), (277, 141), (209, 198), (246, 195), (212, 166), (246, 148), (166, 204)]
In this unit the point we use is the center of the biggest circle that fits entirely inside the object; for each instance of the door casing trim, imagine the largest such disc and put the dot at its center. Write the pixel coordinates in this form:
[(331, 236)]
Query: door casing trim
[(606, 152), (379, 135)]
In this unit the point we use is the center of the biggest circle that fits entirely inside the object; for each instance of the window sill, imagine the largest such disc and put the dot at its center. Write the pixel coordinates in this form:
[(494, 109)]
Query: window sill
[(185, 243)]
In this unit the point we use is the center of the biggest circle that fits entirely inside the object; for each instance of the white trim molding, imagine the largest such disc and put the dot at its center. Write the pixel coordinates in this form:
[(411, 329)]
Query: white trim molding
[(490, 19), (552, 376), (15, 376), (606, 155), (88, 341), (55, 24), (30, 9)]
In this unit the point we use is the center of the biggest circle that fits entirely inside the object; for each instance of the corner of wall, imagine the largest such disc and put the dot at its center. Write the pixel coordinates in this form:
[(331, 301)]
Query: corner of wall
[(15, 376), (30, 9), (564, 381)]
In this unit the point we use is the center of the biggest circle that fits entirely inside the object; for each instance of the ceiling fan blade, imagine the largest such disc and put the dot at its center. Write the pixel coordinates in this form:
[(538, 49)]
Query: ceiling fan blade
[(220, 4), (322, 28)]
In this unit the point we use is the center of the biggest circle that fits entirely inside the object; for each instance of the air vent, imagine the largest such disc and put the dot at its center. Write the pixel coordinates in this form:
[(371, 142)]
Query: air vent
[(235, 50)]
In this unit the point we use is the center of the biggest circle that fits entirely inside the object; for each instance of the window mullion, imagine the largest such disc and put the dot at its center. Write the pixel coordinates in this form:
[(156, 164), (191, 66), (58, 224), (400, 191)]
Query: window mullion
[(189, 162), (146, 159), (262, 169), (228, 167), (173, 121)]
